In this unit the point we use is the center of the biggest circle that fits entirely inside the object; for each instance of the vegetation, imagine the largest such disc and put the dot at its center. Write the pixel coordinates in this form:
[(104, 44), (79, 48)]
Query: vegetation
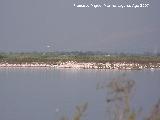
[(79, 112), (118, 99), (119, 94), (54, 57)]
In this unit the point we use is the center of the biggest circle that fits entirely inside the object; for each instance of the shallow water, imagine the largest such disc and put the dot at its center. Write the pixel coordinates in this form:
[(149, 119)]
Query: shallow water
[(48, 94)]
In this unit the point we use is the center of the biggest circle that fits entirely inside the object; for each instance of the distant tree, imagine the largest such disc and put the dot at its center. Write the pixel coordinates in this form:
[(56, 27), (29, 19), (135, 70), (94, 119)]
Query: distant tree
[(2, 56)]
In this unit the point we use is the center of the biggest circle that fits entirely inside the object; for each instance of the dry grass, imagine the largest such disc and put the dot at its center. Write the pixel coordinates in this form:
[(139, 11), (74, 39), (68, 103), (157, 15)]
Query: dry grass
[(79, 112), (119, 94), (118, 98)]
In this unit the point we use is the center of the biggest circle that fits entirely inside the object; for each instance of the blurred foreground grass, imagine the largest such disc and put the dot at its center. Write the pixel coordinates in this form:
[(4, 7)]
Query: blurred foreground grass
[(119, 94)]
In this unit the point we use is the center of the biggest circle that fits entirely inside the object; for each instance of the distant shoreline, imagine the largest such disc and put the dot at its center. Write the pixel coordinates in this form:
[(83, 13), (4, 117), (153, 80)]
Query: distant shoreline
[(86, 65), (78, 60)]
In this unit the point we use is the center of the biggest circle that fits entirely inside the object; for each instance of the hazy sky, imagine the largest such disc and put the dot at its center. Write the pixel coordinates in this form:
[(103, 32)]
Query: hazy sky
[(31, 25)]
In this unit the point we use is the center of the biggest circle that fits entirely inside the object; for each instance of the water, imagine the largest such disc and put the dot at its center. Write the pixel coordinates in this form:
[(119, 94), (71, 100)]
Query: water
[(48, 94)]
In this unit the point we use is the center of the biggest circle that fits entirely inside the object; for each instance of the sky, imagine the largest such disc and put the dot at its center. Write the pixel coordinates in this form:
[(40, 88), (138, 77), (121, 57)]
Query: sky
[(58, 25)]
